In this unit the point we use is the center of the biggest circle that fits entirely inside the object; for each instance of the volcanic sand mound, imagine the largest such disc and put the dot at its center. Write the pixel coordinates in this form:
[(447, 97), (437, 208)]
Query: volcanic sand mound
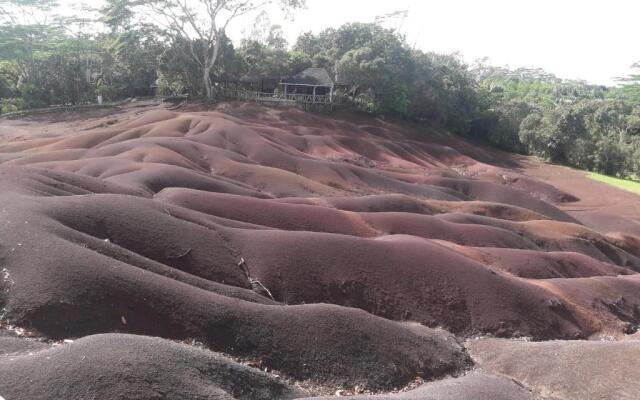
[(547, 265), (133, 367), (143, 268), (474, 386), (565, 370), (389, 277), (308, 243), (10, 344), (301, 217), (393, 278)]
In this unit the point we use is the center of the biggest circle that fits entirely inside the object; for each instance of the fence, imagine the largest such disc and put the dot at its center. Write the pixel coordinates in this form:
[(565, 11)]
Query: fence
[(62, 108), (309, 102)]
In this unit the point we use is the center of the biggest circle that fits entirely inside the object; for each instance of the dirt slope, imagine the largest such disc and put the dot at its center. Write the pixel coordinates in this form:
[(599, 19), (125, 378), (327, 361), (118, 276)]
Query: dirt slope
[(560, 370), (133, 367), (336, 250)]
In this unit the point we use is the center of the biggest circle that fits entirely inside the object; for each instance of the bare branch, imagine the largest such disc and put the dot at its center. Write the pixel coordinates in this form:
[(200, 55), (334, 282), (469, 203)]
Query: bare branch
[(190, 17), (244, 8)]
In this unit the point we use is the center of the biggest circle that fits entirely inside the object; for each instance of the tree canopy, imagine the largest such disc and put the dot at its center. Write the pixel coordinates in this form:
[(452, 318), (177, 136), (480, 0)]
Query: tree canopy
[(571, 122)]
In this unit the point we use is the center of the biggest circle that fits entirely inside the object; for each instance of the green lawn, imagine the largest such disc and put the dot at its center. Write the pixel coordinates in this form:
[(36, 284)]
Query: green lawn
[(631, 186)]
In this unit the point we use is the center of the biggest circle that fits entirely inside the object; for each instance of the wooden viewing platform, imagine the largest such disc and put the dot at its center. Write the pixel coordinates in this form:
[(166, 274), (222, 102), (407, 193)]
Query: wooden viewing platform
[(309, 102), (312, 89)]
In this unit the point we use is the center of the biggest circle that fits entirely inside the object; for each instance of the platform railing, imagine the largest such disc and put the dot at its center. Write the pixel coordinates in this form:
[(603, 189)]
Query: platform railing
[(248, 95)]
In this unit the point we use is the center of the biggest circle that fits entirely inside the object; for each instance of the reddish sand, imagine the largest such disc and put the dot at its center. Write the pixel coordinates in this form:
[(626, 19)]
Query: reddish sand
[(362, 240), (556, 370)]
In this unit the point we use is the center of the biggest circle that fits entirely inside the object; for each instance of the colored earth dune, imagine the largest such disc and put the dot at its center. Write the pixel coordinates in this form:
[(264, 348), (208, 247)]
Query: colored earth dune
[(305, 255)]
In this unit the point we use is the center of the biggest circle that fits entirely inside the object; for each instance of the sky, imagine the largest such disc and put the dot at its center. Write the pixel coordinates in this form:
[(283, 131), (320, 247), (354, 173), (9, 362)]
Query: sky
[(593, 40)]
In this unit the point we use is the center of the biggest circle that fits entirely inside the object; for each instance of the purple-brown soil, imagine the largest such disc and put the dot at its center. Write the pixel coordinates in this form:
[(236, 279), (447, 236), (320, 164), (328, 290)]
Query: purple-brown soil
[(333, 251)]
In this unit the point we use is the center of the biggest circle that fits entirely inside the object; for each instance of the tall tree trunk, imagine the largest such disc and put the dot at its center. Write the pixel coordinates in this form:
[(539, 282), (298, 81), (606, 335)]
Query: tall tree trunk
[(210, 57), (207, 82)]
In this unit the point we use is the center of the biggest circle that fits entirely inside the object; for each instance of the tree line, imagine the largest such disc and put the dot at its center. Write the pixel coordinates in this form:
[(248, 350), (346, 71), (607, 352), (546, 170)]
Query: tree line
[(591, 127), (133, 48)]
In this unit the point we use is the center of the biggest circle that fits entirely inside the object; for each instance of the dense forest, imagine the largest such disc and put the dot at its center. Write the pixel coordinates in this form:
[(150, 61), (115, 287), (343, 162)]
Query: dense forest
[(128, 49)]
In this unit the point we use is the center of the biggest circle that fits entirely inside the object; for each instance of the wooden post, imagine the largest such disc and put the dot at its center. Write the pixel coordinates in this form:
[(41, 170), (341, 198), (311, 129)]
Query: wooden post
[(314, 94)]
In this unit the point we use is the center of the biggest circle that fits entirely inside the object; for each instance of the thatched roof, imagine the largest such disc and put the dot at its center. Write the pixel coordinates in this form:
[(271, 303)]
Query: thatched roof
[(312, 76)]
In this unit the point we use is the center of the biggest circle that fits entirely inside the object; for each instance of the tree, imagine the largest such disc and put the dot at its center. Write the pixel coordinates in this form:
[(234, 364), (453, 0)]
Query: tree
[(55, 57), (266, 33), (629, 89), (380, 74), (260, 59), (506, 97), (130, 61), (180, 74), (593, 134), (552, 135), (375, 59), (391, 78), (26, 34), (203, 22), (455, 88), (117, 15)]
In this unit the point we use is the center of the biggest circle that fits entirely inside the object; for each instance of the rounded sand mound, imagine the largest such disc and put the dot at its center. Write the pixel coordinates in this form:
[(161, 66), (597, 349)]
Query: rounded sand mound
[(565, 370), (476, 386), (133, 367), (334, 250)]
